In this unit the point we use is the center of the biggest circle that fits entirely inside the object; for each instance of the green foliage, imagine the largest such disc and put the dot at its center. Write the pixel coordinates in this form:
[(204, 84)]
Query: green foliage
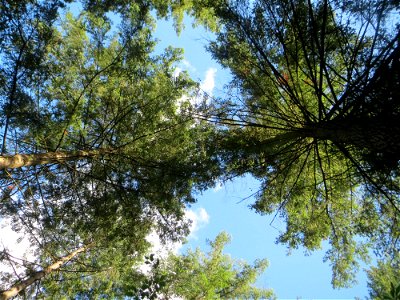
[(97, 88), (383, 279), (394, 292), (96, 274), (312, 112), (154, 283), (212, 275), (309, 117), (26, 30)]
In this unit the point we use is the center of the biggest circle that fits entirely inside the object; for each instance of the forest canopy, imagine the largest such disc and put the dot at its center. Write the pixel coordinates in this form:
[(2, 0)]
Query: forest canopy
[(312, 111), (101, 145)]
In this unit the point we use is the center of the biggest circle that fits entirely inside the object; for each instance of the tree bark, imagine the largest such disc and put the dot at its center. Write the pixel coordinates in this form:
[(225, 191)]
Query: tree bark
[(18, 287), (375, 135), (377, 138), (26, 160)]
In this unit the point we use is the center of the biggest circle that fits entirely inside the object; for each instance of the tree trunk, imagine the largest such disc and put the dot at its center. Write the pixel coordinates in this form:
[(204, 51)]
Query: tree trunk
[(18, 287), (26, 160), (376, 138)]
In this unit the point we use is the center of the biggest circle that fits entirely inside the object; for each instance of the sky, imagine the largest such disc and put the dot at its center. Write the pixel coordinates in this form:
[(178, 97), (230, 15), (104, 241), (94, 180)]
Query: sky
[(226, 207)]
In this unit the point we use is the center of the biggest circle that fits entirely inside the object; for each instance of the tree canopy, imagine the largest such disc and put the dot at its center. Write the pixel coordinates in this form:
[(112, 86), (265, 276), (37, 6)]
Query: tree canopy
[(96, 150), (312, 111), (212, 275), (383, 279), (99, 147)]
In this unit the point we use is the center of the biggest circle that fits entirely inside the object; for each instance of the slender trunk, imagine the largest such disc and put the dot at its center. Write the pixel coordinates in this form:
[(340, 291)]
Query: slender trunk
[(18, 287), (26, 160)]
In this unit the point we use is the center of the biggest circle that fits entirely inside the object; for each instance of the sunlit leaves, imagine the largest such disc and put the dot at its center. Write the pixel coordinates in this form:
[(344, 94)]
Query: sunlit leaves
[(302, 115), (213, 275), (105, 91), (383, 279)]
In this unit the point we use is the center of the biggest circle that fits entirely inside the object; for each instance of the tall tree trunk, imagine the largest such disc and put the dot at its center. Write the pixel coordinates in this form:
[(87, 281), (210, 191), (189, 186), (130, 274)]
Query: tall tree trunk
[(378, 138), (26, 160), (18, 287)]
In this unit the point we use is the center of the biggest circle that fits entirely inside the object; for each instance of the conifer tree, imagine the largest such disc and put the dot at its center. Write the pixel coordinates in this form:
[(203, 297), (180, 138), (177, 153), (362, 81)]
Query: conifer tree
[(312, 111), (97, 148)]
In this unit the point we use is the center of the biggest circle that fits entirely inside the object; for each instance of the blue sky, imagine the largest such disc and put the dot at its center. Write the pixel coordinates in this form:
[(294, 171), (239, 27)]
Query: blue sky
[(222, 209)]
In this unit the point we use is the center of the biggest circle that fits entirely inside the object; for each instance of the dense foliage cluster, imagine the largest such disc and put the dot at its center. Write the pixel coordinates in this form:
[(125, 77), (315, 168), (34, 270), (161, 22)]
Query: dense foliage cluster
[(96, 152), (312, 111), (99, 147)]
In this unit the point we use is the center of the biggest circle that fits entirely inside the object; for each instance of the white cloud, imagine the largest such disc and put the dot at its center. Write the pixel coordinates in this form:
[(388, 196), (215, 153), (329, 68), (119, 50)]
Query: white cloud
[(17, 246), (188, 65), (162, 249), (176, 72), (218, 187), (13, 241), (208, 84), (205, 89), (199, 219)]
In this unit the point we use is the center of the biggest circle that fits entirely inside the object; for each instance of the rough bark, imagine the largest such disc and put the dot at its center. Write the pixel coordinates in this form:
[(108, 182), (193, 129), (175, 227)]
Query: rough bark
[(26, 160), (22, 285)]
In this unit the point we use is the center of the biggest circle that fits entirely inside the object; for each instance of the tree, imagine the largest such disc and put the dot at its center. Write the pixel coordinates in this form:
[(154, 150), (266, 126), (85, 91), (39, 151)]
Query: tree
[(212, 275), (312, 111), (383, 279), (38, 275), (26, 32), (194, 275), (107, 154)]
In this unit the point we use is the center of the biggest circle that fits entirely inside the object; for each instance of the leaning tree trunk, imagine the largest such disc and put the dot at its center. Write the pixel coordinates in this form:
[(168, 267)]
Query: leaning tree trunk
[(20, 286), (26, 160)]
